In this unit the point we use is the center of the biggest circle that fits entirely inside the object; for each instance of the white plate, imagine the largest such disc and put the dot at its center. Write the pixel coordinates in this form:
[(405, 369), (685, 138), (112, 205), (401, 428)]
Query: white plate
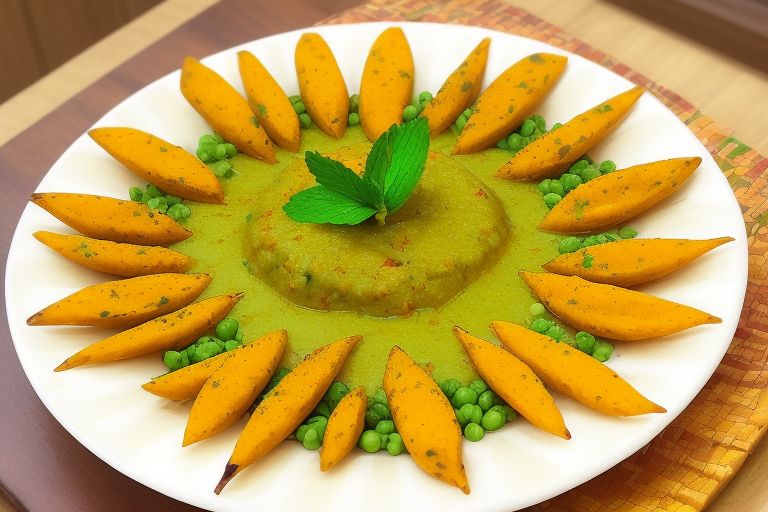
[(139, 435)]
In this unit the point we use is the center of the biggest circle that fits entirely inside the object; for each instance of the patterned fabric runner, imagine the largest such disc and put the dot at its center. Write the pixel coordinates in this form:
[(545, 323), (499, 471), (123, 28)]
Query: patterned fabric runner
[(696, 455)]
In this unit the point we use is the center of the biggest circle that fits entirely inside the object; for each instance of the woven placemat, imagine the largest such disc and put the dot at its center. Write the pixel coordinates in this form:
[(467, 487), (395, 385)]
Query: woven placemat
[(685, 467)]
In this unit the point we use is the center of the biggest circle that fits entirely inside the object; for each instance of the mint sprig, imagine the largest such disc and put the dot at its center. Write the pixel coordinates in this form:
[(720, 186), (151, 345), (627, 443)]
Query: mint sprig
[(393, 168)]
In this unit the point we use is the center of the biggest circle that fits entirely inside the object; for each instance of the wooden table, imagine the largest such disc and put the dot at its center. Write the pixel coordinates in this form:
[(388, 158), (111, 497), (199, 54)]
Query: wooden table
[(41, 466)]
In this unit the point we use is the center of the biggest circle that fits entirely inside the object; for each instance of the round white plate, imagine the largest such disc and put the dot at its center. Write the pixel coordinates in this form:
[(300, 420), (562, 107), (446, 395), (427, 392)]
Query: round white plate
[(140, 435)]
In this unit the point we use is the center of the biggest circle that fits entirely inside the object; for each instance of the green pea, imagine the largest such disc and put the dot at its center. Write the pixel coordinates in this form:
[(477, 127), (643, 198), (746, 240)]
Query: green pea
[(204, 154), (450, 386), (231, 345), (172, 360), (220, 151), (466, 410), (179, 212), (158, 203), (382, 410), (135, 193), (557, 188), (525, 140), (294, 98), (526, 129), (555, 332), (535, 135), (395, 444), (305, 120), (556, 126), (372, 418), (172, 200), (311, 440), (506, 412), (204, 351), (502, 144), (384, 440), (541, 124), (353, 119), (537, 309), (370, 441), (603, 351), (568, 245), (425, 96), (464, 395), (492, 420), (299, 107), (611, 236), (544, 186), (607, 166), (422, 106), (385, 427), (487, 400), (474, 432), (627, 232), (318, 423), (476, 415), (590, 173), (354, 103), (601, 239), (541, 325), (552, 199), (463, 413), (478, 386), (589, 241), (221, 168), (570, 181), (301, 432), (227, 329), (184, 359), (323, 409), (409, 113), (468, 112), (580, 165), (585, 342), (206, 140), (231, 150), (380, 397), (460, 122), (336, 392), (515, 141)]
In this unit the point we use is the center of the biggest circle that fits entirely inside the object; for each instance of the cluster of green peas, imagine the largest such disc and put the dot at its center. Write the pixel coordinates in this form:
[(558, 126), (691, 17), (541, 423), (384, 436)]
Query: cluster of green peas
[(213, 150), (580, 172), (379, 435), (301, 110), (573, 243), (478, 409), (228, 337), (584, 341), (412, 111), (156, 199), (530, 130)]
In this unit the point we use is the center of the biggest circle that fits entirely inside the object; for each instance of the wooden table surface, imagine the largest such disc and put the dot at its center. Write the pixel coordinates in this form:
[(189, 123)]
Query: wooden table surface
[(42, 468)]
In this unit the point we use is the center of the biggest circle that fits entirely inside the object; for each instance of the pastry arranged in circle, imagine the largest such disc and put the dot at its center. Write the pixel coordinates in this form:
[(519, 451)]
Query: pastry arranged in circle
[(401, 226)]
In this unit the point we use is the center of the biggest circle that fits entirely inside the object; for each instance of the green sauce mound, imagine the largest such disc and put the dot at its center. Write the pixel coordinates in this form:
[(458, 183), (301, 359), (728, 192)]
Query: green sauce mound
[(445, 236)]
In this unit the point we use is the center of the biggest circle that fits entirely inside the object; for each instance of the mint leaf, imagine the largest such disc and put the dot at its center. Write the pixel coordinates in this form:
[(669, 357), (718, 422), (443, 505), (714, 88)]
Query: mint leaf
[(320, 205), (392, 170), (409, 154), (339, 178), (380, 158)]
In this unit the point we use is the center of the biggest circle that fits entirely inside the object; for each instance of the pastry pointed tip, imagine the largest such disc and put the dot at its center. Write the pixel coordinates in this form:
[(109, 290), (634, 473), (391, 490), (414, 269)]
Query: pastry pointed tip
[(229, 472)]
